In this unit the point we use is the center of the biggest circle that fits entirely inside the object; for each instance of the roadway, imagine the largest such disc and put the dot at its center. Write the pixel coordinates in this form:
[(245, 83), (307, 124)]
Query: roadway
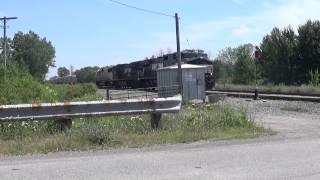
[(293, 153)]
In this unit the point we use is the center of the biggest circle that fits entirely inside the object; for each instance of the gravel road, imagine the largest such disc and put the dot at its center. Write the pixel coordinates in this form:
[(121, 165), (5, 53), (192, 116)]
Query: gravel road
[(291, 154)]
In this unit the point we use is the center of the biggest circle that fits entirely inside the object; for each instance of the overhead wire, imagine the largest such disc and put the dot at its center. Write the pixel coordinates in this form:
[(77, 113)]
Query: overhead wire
[(141, 9), (183, 33)]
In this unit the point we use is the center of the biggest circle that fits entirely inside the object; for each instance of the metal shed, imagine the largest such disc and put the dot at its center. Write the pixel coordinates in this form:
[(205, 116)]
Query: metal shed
[(193, 79)]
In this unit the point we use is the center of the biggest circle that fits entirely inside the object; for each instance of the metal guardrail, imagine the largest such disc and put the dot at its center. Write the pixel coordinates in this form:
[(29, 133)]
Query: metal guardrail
[(89, 108)]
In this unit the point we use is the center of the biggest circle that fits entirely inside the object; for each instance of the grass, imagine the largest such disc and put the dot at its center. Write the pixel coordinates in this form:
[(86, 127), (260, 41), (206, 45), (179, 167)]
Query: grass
[(193, 123), (282, 89)]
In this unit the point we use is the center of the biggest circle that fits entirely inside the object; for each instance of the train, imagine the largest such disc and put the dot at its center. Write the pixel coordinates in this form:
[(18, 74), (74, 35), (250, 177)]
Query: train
[(71, 79), (143, 74)]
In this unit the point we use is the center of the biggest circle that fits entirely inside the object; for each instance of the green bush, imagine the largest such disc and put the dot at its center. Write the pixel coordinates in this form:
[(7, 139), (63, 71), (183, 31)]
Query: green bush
[(18, 86), (69, 92)]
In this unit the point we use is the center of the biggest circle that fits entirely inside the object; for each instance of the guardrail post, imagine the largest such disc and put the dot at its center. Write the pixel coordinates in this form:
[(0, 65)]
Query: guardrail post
[(64, 124), (155, 121), (256, 94)]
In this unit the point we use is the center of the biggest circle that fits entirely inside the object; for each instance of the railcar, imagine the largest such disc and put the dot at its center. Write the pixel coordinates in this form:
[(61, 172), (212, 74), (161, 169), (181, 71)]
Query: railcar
[(143, 74), (63, 80)]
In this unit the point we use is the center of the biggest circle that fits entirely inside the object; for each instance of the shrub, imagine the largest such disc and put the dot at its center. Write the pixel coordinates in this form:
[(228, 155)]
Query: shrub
[(18, 86), (68, 92), (314, 78)]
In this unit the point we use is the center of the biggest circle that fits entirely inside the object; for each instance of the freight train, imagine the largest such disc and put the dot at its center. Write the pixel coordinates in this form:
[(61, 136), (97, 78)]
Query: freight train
[(71, 79), (143, 74)]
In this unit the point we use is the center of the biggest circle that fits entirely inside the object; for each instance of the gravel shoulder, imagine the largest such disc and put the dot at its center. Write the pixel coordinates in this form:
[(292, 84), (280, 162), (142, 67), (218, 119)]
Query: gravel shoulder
[(290, 119)]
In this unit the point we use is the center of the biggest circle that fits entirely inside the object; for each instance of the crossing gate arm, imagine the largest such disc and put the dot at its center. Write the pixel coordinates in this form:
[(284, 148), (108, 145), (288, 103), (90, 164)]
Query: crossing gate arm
[(89, 108)]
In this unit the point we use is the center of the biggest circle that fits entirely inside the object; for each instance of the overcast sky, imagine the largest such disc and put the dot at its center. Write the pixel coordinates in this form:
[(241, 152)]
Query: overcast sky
[(99, 32)]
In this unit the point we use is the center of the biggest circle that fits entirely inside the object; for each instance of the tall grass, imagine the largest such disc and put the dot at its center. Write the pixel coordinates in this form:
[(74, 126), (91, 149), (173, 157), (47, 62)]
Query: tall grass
[(191, 124)]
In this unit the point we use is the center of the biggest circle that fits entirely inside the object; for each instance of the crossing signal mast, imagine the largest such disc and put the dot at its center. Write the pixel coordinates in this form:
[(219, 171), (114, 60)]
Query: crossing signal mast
[(5, 20)]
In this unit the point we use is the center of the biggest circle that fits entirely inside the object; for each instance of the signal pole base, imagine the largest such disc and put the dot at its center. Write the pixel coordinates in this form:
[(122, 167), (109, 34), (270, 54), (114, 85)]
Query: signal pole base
[(155, 121), (256, 94)]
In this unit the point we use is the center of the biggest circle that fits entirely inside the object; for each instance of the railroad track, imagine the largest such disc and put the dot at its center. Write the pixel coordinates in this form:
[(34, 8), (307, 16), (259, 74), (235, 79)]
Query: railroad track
[(266, 96), (287, 97)]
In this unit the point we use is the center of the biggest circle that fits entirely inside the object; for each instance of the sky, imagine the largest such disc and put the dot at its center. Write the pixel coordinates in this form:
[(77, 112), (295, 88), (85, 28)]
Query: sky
[(101, 32)]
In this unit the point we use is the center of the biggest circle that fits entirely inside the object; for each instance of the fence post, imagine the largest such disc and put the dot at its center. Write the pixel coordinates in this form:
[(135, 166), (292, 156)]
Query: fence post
[(155, 120)]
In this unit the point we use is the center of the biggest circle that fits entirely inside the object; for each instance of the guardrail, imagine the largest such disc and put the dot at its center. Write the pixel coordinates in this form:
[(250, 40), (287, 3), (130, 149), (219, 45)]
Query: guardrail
[(68, 110)]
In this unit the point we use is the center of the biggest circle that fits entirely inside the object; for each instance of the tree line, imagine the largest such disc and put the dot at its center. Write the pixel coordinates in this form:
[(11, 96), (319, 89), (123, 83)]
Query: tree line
[(288, 57), (84, 75)]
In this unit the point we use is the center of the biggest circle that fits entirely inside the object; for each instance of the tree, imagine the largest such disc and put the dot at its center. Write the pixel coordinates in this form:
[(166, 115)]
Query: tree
[(223, 65), (36, 53), (235, 65), (279, 58), (309, 49), (9, 50), (86, 74), (63, 71), (227, 55), (244, 68)]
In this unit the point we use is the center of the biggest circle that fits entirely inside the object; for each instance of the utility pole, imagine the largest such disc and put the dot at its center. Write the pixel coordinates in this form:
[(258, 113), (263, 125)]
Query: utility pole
[(179, 54), (257, 57), (5, 19)]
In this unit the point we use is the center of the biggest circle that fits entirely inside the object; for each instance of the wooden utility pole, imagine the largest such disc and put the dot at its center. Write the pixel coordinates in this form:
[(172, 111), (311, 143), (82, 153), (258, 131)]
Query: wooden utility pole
[(5, 19), (179, 54)]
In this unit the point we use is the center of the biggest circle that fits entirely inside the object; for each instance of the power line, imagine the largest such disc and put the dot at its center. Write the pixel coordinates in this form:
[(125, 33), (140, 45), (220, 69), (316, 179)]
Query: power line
[(142, 9)]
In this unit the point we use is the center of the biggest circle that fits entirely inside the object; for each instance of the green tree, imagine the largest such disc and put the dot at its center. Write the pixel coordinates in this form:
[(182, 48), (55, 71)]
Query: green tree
[(244, 71), (9, 50), (86, 74), (63, 71), (279, 57), (224, 65), (36, 53), (235, 65), (309, 49)]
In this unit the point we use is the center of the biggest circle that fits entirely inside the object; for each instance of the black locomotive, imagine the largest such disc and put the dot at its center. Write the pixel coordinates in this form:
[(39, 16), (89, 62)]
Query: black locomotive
[(143, 74)]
